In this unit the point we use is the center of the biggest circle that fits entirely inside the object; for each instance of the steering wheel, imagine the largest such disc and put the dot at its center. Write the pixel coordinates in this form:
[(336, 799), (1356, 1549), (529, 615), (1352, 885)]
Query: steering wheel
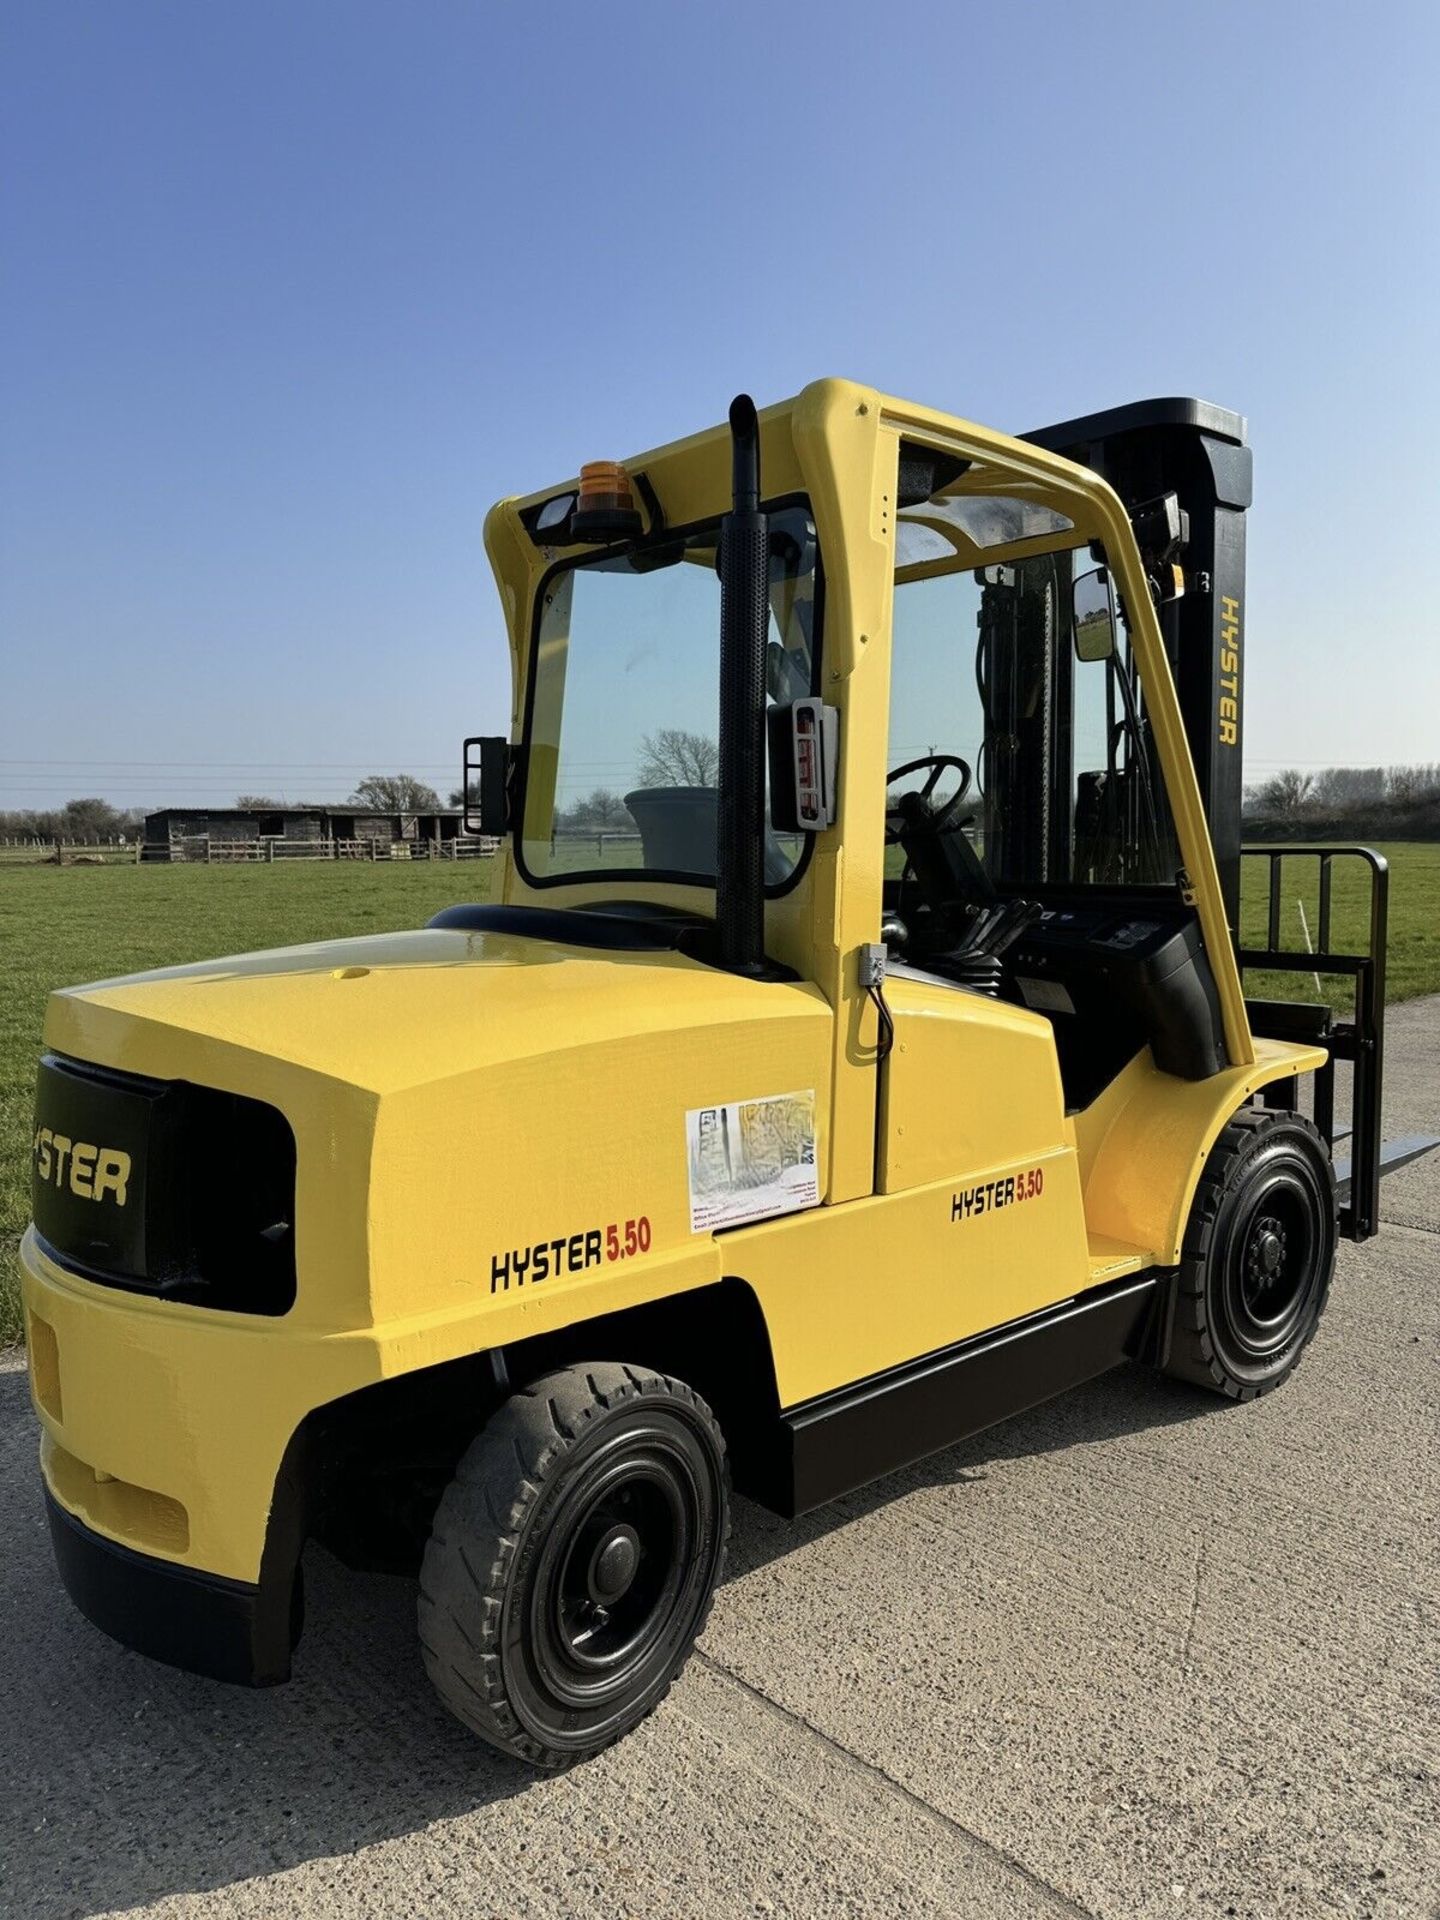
[(918, 816)]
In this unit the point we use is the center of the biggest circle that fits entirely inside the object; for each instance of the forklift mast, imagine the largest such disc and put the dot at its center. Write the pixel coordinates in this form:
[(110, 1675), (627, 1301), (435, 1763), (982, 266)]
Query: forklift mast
[(1198, 453)]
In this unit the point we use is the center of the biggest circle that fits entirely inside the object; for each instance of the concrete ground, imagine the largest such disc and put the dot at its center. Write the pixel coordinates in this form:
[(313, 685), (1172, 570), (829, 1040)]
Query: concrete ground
[(1134, 1654)]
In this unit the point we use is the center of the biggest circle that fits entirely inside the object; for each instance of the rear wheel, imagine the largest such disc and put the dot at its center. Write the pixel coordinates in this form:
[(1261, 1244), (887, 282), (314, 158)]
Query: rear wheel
[(1258, 1256), (573, 1560)]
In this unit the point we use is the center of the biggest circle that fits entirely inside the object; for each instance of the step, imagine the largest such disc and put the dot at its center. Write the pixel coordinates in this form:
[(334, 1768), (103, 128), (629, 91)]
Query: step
[(1110, 1259)]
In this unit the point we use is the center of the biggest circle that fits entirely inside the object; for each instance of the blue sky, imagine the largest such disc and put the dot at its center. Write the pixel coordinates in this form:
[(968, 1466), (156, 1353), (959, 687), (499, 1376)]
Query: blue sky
[(292, 291)]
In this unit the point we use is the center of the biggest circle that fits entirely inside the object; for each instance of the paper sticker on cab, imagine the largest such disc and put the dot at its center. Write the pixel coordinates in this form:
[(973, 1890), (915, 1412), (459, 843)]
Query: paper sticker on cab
[(751, 1160)]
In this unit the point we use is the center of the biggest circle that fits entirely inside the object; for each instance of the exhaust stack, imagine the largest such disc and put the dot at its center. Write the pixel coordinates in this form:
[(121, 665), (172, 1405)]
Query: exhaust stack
[(744, 625)]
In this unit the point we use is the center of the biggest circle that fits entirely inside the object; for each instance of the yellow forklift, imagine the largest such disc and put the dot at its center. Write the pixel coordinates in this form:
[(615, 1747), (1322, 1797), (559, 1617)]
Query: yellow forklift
[(879, 1068)]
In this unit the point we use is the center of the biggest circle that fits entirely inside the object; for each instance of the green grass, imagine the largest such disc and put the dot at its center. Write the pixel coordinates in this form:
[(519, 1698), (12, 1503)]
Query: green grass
[(59, 926), (1413, 964), (63, 925)]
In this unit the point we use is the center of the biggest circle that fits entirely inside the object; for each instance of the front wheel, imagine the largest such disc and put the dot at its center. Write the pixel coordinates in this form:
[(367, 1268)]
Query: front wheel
[(1258, 1257), (573, 1560)]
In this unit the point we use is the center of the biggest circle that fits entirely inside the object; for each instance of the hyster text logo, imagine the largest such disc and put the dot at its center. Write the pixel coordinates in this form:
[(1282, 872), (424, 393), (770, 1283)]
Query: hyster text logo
[(1009, 1192), (527, 1266), (1229, 670), (570, 1253), (91, 1173)]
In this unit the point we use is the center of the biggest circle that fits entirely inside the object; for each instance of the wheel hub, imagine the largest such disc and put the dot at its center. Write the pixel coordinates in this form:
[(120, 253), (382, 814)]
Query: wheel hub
[(618, 1565), (1267, 1249), (1271, 1269), (614, 1564)]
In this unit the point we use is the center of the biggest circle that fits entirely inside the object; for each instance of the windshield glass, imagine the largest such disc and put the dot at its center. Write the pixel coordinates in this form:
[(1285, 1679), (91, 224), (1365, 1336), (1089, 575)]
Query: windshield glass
[(624, 721)]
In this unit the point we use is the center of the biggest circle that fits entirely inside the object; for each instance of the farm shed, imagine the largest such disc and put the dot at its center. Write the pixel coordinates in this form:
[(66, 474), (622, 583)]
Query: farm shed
[(198, 833)]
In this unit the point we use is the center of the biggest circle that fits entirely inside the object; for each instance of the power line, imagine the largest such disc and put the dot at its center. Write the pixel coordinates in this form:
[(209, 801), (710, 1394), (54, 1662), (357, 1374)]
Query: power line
[(234, 766), (262, 766)]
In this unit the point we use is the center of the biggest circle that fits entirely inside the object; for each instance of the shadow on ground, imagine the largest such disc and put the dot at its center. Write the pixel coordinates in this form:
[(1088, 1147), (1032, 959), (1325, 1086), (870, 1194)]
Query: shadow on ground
[(127, 1781)]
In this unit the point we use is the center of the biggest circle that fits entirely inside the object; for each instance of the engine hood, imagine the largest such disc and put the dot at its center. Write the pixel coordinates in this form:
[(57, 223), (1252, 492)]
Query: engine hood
[(390, 1011)]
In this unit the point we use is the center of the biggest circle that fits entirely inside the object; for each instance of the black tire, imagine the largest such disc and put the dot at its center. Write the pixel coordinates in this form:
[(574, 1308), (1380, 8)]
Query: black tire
[(573, 1560), (1258, 1256)]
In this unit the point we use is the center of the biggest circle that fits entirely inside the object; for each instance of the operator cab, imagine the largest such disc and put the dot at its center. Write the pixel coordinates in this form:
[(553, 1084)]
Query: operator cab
[(1030, 849)]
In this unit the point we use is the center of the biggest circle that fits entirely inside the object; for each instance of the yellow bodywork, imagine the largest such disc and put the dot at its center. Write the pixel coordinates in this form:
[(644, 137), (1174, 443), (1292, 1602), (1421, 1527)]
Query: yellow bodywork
[(459, 1097)]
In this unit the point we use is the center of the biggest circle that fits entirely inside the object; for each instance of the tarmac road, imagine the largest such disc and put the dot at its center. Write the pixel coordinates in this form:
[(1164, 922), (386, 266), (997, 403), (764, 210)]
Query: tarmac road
[(1135, 1654)]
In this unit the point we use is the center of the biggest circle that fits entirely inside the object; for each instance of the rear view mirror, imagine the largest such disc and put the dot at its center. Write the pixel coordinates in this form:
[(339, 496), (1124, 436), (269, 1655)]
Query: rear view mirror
[(486, 772), (1093, 602)]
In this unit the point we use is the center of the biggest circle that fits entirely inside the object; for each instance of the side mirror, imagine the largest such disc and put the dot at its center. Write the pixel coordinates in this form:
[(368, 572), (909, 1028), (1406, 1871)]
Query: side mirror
[(1093, 605), (487, 767)]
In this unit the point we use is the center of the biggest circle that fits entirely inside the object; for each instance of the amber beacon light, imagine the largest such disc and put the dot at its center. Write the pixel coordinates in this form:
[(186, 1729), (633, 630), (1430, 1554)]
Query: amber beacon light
[(606, 507)]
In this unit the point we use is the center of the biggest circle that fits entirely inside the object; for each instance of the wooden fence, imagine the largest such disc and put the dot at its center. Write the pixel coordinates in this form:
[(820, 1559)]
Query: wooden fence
[(20, 850), (205, 850)]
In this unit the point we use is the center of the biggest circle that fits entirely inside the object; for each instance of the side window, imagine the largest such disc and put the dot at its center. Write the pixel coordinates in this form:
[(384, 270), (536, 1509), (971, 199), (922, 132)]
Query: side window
[(936, 703), (1063, 785)]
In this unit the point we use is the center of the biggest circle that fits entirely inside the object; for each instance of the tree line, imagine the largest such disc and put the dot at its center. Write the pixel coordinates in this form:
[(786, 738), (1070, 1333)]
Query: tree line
[(95, 821), (90, 820), (1390, 802), (1395, 803), (669, 757)]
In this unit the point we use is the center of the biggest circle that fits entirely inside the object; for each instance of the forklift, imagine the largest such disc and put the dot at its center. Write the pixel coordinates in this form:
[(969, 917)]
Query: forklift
[(886, 1071)]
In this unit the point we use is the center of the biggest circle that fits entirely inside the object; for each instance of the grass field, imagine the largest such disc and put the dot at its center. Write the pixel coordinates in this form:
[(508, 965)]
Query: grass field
[(59, 926), (1413, 961)]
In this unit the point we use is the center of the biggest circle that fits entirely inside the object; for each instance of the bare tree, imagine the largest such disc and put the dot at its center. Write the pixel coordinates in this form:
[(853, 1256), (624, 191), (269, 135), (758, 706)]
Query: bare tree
[(1338, 789), (90, 819), (671, 757), (1286, 793), (256, 802), (1406, 786), (395, 793)]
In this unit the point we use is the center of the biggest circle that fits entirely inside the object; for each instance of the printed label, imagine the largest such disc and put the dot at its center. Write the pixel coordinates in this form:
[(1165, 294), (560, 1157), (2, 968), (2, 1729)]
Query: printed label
[(751, 1159)]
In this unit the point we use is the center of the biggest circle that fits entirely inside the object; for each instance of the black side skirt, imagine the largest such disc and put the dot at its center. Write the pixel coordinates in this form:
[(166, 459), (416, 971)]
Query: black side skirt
[(840, 1440)]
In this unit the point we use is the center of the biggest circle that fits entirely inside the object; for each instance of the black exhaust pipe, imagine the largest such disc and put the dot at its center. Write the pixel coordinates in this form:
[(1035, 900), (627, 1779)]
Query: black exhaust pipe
[(744, 628)]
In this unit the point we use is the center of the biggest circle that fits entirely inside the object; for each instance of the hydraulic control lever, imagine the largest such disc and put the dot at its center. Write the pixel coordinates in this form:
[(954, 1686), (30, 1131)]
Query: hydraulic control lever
[(995, 928), (974, 961)]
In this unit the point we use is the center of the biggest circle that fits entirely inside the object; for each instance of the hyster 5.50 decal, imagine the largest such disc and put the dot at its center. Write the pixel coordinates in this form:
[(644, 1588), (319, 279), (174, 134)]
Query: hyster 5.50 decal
[(991, 1194), (568, 1253)]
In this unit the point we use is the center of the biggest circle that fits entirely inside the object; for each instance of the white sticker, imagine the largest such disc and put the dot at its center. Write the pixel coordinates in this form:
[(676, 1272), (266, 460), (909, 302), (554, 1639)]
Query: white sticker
[(751, 1159)]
